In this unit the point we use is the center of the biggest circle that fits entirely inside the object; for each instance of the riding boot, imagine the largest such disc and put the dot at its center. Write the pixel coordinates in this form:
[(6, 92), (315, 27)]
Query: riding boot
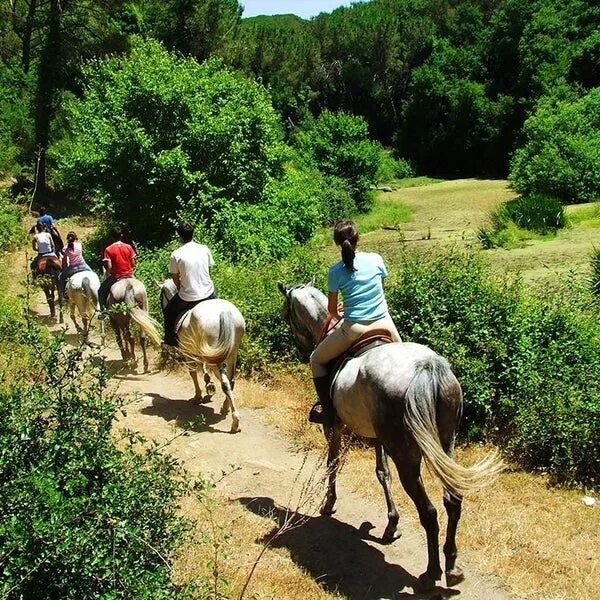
[(326, 414)]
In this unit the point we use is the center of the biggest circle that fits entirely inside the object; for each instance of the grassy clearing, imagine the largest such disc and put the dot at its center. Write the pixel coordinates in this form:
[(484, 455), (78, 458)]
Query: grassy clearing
[(538, 540)]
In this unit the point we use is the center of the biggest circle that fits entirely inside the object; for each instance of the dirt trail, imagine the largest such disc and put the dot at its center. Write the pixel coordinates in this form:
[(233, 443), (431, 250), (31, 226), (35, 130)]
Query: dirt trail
[(268, 476)]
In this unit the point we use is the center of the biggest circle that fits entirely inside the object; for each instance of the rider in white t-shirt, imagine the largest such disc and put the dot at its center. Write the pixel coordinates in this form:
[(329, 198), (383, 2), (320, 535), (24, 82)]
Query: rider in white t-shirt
[(189, 267)]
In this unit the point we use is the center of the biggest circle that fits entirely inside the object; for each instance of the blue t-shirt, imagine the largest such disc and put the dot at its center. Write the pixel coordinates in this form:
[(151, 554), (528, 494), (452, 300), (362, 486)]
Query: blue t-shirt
[(362, 289), (47, 222)]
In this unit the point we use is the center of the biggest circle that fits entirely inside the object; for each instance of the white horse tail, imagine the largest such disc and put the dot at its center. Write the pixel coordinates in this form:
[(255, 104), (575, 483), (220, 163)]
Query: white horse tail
[(432, 375), (194, 344), (91, 292), (141, 317)]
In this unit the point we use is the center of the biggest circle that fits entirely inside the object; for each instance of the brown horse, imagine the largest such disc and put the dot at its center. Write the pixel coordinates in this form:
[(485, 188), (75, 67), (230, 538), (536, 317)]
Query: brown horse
[(45, 274)]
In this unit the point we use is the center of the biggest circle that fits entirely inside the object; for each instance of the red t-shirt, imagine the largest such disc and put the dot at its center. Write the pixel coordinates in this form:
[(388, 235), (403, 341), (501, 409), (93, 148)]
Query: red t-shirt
[(121, 257)]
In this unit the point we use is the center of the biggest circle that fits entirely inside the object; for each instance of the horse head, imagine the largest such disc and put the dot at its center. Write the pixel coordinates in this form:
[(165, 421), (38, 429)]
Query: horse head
[(167, 291), (304, 310)]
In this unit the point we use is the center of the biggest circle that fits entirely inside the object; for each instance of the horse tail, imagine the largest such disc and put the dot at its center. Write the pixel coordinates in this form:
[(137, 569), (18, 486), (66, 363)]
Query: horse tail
[(140, 316), (194, 343), (91, 293), (432, 375)]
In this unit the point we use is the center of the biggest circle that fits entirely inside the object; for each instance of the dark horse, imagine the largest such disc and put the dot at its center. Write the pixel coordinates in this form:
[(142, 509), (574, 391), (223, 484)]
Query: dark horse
[(45, 274), (405, 398)]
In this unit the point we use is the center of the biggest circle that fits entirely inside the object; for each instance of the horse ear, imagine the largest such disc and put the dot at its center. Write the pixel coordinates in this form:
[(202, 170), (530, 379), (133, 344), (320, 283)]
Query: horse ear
[(282, 288)]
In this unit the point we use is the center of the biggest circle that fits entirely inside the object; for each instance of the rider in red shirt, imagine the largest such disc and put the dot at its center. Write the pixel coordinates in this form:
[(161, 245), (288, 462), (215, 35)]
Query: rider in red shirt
[(119, 261)]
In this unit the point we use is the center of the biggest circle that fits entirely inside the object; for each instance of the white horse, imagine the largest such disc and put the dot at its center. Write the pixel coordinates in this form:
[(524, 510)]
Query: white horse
[(209, 338), (130, 295), (82, 294), (406, 399)]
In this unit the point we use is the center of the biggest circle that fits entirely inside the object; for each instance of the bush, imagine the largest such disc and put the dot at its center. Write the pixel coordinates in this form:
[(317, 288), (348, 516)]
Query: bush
[(595, 281), (155, 134), (337, 144), (529, 366), (539, 213), (11, 228), (81, 517), (561, 152), (391, 168)]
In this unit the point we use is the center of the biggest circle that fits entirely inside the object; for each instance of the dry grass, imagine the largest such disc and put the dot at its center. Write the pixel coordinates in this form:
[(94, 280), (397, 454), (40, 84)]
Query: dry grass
[(540, 541)]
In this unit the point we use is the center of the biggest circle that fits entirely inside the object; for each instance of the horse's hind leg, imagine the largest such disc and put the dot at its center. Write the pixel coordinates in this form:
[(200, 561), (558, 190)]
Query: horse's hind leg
[(210, 386), (119, 336), (383, 475), (144, 345), (228, 391), (408, 463), (453, 506), (334, 441)]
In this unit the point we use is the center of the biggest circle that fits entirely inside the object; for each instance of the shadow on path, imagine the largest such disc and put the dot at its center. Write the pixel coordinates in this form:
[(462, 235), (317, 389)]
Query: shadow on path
[(337, 556), (183, 412)]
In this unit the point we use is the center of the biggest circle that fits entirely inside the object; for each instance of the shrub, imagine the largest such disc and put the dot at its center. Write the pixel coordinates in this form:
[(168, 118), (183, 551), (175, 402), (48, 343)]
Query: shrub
[(529, 366), (155, 133), (560, 155), (391, 168), (81, 516), (595, 281), (539, 213), (337, 144), (11, 228)]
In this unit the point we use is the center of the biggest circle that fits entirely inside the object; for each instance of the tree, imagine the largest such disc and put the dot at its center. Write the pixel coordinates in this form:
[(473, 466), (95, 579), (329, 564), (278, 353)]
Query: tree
[(560, 155), (155, 134)]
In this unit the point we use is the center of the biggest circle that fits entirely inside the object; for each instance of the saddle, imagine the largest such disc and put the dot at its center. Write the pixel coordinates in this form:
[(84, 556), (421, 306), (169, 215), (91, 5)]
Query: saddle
[(45, 262), (367, 341)]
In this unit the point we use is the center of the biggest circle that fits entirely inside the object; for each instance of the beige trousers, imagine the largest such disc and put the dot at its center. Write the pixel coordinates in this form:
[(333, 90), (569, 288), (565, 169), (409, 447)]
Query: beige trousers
[(342, 338)]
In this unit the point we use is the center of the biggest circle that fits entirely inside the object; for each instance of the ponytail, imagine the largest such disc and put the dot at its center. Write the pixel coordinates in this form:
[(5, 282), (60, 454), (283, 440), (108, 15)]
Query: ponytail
[(345, 235), (348, 255)]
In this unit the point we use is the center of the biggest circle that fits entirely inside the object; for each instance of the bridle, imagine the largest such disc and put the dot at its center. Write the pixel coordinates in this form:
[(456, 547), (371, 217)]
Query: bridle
[(300, 331)]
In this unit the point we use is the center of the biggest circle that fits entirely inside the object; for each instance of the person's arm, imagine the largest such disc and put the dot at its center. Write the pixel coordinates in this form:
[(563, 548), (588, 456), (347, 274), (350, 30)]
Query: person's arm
[(333, 306), (174, 271), (106, 262), (34, 243)]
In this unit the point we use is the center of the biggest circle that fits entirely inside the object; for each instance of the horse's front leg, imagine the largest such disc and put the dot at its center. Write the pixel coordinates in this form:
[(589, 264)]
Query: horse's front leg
[(144, 346), (61, 318), (198, 397), (227, 387), (383, 475), (334, 440)]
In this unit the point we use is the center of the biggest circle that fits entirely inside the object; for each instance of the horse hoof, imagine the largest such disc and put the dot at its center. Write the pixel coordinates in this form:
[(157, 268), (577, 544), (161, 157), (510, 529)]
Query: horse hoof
[(327, 511), (224, 410), (390, 538), (235, 428), (427, 582), (211, 388), (196, 400), (454, 577)]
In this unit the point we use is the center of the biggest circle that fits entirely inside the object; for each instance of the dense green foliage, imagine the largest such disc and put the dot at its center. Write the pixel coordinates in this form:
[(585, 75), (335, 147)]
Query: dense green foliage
[(529, 366), (561, 152), (11, 230), (156, 134), (337, 145), (536, 212), (82, 517)]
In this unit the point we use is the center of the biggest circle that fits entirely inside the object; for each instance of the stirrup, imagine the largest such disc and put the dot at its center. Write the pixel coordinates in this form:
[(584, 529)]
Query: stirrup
[(321, 417)]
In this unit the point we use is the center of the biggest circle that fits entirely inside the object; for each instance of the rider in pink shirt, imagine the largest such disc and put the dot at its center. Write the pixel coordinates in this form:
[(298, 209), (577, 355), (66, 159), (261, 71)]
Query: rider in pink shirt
[(72, 261)]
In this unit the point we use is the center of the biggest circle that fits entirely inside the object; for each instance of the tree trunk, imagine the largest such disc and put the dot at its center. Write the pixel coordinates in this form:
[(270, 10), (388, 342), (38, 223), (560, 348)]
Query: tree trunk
[(48, 82), (26, 38)]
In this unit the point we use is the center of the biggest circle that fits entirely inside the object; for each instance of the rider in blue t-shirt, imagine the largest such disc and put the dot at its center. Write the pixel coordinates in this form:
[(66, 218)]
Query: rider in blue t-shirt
[(359, 277)]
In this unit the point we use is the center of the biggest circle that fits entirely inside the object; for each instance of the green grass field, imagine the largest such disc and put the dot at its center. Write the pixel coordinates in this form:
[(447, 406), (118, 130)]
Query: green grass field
[(450, 213)]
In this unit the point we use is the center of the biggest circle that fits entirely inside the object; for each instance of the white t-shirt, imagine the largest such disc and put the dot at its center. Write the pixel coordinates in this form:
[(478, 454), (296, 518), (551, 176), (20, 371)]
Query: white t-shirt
[(192, 261), (44, 243)]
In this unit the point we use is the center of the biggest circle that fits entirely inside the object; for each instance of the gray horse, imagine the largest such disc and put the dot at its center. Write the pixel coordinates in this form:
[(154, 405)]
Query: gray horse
[(209, 338), (405, 398), (128, 301)]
